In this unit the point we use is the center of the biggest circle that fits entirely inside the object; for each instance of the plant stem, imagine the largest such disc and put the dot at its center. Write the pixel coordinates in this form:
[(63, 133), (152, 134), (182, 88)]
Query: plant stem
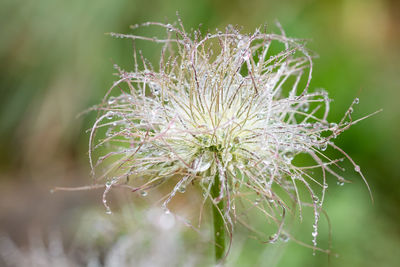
[(219, 225)]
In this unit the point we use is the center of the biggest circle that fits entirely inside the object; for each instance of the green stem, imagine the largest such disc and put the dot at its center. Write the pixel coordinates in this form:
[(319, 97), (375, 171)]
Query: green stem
[(219, 225)]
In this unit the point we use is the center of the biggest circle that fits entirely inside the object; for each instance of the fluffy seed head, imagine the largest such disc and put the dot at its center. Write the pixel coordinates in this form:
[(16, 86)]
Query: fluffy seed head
[(226, 103)]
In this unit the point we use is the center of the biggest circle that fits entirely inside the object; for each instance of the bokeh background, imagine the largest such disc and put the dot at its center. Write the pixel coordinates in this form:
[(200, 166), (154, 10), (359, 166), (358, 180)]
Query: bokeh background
[(55, 61)]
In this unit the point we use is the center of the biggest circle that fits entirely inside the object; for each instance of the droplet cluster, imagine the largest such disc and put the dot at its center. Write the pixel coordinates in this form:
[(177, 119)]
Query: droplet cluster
[(221, 104)]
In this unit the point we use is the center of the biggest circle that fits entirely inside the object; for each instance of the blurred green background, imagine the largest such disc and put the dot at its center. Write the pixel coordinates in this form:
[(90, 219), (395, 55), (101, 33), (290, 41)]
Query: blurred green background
[(55, 61)]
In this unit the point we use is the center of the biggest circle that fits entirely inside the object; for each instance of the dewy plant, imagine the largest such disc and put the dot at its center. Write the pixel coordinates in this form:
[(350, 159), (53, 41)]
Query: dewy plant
[(225, 112)]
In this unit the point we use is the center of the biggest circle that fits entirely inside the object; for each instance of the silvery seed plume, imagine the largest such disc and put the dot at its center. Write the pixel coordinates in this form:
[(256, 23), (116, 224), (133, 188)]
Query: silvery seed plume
[(225, 103)]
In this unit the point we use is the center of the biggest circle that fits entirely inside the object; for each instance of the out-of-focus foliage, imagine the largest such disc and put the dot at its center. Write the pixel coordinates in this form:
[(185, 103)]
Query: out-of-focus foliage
[(56, 61)]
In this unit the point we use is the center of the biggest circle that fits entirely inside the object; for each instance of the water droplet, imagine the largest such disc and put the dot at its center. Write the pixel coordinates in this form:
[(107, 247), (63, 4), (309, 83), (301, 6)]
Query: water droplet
[(314, 234), (284, 237), (257, 201), (182, 189), (333, 125), (108, 212), (273, 238), (356, 100), (288, 156), (109, 115), (166, 210), (111, 100), (305, 107), (323, 146), (201, 164), (340, 183), (143, 193), (169, 26), (357, 168)]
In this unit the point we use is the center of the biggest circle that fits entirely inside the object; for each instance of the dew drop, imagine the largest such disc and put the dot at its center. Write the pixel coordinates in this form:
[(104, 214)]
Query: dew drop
[(333, 125), (284, 237), (323, 146), (288, 156), (111, 100), (169, 26), (305, 107), (357, 168), (156, 91), (108, 211), (272, 238), (143, 193), (314, 234), (109, 115), (182, 189), (340, 183), (201, 165), (356, 100)]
